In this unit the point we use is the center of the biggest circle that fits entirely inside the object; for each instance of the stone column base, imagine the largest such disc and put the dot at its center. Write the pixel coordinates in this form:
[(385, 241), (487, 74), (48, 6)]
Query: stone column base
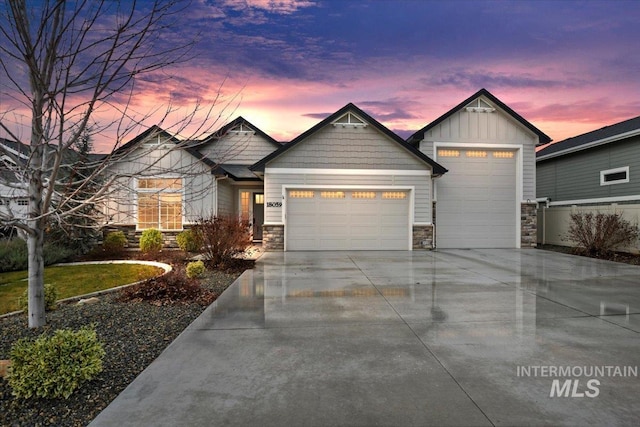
[(423, 237), (273, 237), (528, 225)]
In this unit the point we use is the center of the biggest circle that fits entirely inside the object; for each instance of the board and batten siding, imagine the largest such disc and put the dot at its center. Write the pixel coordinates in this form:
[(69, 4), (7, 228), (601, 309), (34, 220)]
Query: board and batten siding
[(151, 161), (576, 176), (225, 198), (486, 128), (349, 147), (240, 148), (275, 181)]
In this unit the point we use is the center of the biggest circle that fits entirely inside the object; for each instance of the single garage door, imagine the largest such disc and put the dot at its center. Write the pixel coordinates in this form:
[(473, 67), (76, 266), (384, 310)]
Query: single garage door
[(347, 220), (476, 200)]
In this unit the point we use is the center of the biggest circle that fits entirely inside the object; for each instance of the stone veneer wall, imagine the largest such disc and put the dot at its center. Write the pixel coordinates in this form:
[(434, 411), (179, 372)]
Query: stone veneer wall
[(423, 237), (133, 236), (273, 237), (528, 225)]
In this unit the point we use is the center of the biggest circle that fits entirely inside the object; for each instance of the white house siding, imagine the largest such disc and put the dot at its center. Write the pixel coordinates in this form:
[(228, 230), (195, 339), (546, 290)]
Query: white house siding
[(350, 147), (159, 161), (486, 128), (241, 148), (225, 198), (275, 180)]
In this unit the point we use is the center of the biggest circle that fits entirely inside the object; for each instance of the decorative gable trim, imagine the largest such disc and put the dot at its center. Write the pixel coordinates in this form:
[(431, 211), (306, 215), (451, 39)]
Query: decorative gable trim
[(419, 136), (437, 169), (349, 120)]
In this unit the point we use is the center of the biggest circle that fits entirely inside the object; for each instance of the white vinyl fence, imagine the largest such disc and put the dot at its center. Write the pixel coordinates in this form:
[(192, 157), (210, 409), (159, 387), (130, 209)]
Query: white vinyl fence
[(553, 221)]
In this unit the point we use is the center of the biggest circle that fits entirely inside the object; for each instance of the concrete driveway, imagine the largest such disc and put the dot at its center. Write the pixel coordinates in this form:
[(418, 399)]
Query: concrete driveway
[(455, 337)]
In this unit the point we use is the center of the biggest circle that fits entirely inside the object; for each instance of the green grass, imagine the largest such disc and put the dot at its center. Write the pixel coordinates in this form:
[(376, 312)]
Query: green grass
[(73, 280)]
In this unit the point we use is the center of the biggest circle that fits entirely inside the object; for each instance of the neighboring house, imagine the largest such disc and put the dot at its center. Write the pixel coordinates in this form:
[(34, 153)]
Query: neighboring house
[(14, 202), (598, 171), (466, 180), (487, 199)]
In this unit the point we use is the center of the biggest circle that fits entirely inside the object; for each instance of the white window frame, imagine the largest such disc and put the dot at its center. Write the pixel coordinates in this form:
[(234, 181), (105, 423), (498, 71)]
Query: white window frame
[(139, 190), (603, 173)]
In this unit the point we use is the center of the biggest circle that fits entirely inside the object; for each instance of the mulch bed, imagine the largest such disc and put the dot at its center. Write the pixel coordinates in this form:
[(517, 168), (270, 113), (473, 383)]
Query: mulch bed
[(133, 335), (622, 257)]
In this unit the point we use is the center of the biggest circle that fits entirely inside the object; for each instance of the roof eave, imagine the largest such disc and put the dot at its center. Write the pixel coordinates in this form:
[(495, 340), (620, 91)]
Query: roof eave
[(589, 145)]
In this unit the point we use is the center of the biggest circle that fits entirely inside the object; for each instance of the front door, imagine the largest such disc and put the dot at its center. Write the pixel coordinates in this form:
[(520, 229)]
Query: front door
[(258, 215)]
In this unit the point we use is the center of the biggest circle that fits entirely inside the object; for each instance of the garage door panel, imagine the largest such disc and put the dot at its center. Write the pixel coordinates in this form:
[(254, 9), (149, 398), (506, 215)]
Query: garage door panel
[(476, 202), (364, 221)]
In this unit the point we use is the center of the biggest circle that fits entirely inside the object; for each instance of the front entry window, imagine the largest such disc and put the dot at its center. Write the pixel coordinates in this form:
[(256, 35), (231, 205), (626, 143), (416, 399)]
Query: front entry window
[(160, 203)]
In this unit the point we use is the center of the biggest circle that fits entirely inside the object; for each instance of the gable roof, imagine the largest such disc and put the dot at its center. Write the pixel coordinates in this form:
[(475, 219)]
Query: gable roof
[(238, 121), (605, 135), (419, 135), (437, 168), (152, 131)]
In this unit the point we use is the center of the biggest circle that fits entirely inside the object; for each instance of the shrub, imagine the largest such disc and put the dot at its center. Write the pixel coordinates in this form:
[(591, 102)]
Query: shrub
[(223, 238), (55, 366), (195, 269), (189, 241), (55, 253), (14, 255), (151, 241), (114, 242), (50, 298), (173, 287), (600, 233)]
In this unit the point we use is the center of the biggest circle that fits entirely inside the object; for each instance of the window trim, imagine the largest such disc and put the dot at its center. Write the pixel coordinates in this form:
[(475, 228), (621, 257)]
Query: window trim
[(158, 192), (604, 173)]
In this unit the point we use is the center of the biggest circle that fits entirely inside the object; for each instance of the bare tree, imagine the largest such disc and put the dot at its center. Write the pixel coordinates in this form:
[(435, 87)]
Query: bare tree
[(63, 62)]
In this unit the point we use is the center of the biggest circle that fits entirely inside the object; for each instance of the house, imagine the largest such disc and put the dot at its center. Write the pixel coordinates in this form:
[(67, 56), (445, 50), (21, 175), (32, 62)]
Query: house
[(168, 184), (13, 192), (487, 199), (466, 180), (598, 171)]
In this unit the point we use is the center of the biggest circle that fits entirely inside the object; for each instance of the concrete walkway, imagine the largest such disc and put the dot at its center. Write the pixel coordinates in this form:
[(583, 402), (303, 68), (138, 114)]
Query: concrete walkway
[(456, 337)]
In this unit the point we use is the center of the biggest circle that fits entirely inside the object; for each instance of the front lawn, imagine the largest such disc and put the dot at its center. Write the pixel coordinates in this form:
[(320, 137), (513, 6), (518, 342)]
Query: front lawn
[(73, 280)]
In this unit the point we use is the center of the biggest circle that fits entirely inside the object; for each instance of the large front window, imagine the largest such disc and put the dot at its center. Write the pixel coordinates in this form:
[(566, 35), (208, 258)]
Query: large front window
[(160, 203)]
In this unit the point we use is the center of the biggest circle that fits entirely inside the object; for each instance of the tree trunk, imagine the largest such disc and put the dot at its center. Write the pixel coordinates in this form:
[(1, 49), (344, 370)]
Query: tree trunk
[(35, 245)]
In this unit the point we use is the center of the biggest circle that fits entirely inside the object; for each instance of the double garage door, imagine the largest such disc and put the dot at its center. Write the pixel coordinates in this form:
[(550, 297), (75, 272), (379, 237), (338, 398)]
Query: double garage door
[(476, 200), (329, 219)]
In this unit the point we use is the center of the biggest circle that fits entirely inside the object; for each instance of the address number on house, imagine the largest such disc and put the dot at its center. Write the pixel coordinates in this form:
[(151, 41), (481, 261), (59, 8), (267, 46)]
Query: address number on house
[(274, 204)]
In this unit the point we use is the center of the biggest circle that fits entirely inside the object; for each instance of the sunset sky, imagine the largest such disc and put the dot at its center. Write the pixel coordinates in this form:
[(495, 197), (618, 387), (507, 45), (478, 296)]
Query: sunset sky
[(568, 67)]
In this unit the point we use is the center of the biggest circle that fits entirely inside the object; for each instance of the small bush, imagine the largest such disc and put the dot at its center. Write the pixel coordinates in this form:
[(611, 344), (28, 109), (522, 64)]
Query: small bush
[(151, 241), (55, 366), (189, 241), (50, 298), (598, 234), (114, 242), (223, 238), (195, 269), (14, 255), (55, 253), (174, 287)]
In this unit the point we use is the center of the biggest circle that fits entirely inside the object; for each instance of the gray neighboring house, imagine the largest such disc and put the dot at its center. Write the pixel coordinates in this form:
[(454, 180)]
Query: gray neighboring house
[(598, 171)]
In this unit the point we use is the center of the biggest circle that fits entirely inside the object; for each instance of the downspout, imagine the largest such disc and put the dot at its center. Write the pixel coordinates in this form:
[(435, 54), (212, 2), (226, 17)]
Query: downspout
[(544, 200)]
